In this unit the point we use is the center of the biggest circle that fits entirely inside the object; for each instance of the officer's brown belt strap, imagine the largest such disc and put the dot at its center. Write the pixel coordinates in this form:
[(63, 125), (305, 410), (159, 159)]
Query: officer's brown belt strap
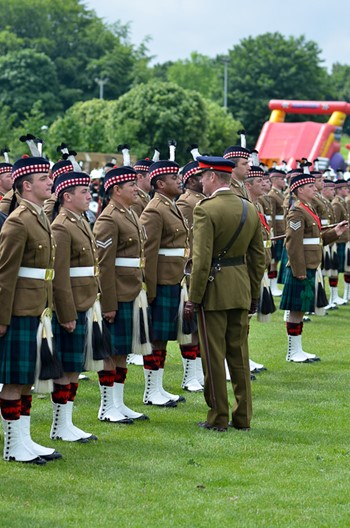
[(231, 261)]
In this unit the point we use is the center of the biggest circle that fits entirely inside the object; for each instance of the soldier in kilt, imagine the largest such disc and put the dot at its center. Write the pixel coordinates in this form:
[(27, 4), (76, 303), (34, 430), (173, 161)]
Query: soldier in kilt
[(278, 224), (193, 378), (166, 251), (120, 242), (340, 214), (303, 282), (26, 269), (143, 185), (76, 288)]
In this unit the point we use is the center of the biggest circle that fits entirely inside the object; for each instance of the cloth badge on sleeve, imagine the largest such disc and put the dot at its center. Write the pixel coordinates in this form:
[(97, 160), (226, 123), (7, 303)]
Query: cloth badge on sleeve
[(104, 245), (295, 225)]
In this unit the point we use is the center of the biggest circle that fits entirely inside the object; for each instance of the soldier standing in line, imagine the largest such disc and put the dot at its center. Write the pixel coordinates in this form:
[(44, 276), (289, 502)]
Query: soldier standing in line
[(278, 222), (239, 155), (143, 185), (26, 269), (225, 223), (330, 267), (120, 241), (193, 379), (76, 289), (340, 214), (303, 276), (166, 250)]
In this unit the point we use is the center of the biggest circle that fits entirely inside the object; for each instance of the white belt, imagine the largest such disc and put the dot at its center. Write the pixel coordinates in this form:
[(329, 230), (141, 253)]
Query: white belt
[(311, 241), (173, 252), (268, 217), (324, 221), (279, 217), (82, 271), (36, 273), (128, 262)]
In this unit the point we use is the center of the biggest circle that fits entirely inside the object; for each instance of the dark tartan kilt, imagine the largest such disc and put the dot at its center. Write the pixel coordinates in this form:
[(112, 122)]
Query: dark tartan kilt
[(164, 310), (279, 244), (282, 267), (292, 290), (70, 346), (121, 329), (18, 351), (341, 256)]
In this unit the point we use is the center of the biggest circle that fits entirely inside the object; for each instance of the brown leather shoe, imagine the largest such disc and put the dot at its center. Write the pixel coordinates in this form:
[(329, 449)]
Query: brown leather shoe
[(216, 428)]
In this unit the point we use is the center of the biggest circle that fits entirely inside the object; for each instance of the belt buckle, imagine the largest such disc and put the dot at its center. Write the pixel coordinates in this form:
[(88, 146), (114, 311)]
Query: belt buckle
[(142, 262), (49, 274), (96, 270), (187, 253)]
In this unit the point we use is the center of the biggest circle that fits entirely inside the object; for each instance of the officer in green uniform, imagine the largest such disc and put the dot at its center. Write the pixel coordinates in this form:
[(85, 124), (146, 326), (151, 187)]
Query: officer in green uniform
[(226, 297)]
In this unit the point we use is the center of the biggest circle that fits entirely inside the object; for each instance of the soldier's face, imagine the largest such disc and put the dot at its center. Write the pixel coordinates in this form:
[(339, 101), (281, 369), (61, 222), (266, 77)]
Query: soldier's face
[(328, 192), (266, 184), (170, 185), (241, 169), (127, 193), (78, 201), (39, 188), (143, 181), (319, 184), (6, 181), (278, 182), (307, 192)]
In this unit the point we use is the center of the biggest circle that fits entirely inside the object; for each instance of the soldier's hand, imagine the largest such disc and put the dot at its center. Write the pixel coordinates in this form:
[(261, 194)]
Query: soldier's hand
[(3, 330), (110, 316), (70, 326), (189, 310), (150, 300), (341, 227), (253, 306)]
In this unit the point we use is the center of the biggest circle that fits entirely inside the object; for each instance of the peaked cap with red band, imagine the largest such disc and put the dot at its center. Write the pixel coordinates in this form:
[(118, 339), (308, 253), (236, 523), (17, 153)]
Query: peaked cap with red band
[(215, 163)]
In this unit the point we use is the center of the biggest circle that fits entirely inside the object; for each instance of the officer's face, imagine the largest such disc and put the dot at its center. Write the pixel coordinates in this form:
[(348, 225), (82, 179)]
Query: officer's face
[(78, 201), (170, 185), (207, 182)]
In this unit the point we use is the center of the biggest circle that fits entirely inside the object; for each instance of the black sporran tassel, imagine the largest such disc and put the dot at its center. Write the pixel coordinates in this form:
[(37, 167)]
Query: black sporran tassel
[(267, 304), (51, 367), (321, 298), (101, 345)]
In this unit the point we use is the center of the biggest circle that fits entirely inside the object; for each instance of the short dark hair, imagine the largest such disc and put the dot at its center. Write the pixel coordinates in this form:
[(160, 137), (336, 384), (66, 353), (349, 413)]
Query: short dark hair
[(70, 190), (18, 184)]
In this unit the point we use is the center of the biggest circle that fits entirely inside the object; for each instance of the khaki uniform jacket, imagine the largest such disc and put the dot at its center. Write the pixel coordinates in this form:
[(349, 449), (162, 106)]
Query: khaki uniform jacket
[(75, 248), (6, 201), (301, 225), (118, 233), (165, 228), (279, 223), (265, 234), (265, 202), (238, 189), (25, 240), (320, 205), (186, 203), (142, 200), (341, 213), (49, 205), (215, 220)]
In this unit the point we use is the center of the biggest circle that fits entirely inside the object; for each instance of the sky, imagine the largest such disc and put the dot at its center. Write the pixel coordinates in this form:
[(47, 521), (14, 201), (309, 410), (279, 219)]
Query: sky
[(212, 27)]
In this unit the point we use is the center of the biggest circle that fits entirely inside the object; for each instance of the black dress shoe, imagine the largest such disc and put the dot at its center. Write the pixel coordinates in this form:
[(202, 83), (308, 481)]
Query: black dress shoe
[(216, 428), (252, 377), (230, 424), (54, 456), (180, 400)]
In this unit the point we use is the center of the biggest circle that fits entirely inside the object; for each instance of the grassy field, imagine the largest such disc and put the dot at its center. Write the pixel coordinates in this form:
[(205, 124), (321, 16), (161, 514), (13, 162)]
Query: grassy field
[(291, 470)]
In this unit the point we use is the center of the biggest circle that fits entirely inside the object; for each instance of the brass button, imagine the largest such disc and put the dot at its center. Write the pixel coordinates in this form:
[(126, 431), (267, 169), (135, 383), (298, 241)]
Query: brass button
[(130, 239), (83, 249), (40, 246)]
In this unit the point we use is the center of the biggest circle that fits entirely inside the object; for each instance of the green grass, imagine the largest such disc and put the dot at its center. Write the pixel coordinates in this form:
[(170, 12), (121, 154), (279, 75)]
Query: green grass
[(291, 470)]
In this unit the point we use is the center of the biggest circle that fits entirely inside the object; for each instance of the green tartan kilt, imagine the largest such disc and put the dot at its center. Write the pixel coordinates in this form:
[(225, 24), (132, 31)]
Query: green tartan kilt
[(121, 329), (18, 351), (70, 346), (165, 312), (293, 288), (277, 252), (341, 256), (283, 266)]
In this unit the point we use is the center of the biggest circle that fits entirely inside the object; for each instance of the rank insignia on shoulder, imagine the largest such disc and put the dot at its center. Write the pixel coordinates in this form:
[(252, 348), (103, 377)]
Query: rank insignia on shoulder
[(295, 225), (104, 244)]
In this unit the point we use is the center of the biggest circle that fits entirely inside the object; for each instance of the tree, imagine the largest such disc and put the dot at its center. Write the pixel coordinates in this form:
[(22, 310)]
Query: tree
[(151, 114), (272, 66), (199, 73), (82, 127), (25, 77), (221, 130)]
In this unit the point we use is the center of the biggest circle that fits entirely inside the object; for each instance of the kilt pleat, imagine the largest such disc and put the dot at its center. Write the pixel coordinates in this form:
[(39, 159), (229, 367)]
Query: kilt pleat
[(283, 266), (341, 256), (165, 312), (121, 329), (18, 351), (70, 346), (293, 288)]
